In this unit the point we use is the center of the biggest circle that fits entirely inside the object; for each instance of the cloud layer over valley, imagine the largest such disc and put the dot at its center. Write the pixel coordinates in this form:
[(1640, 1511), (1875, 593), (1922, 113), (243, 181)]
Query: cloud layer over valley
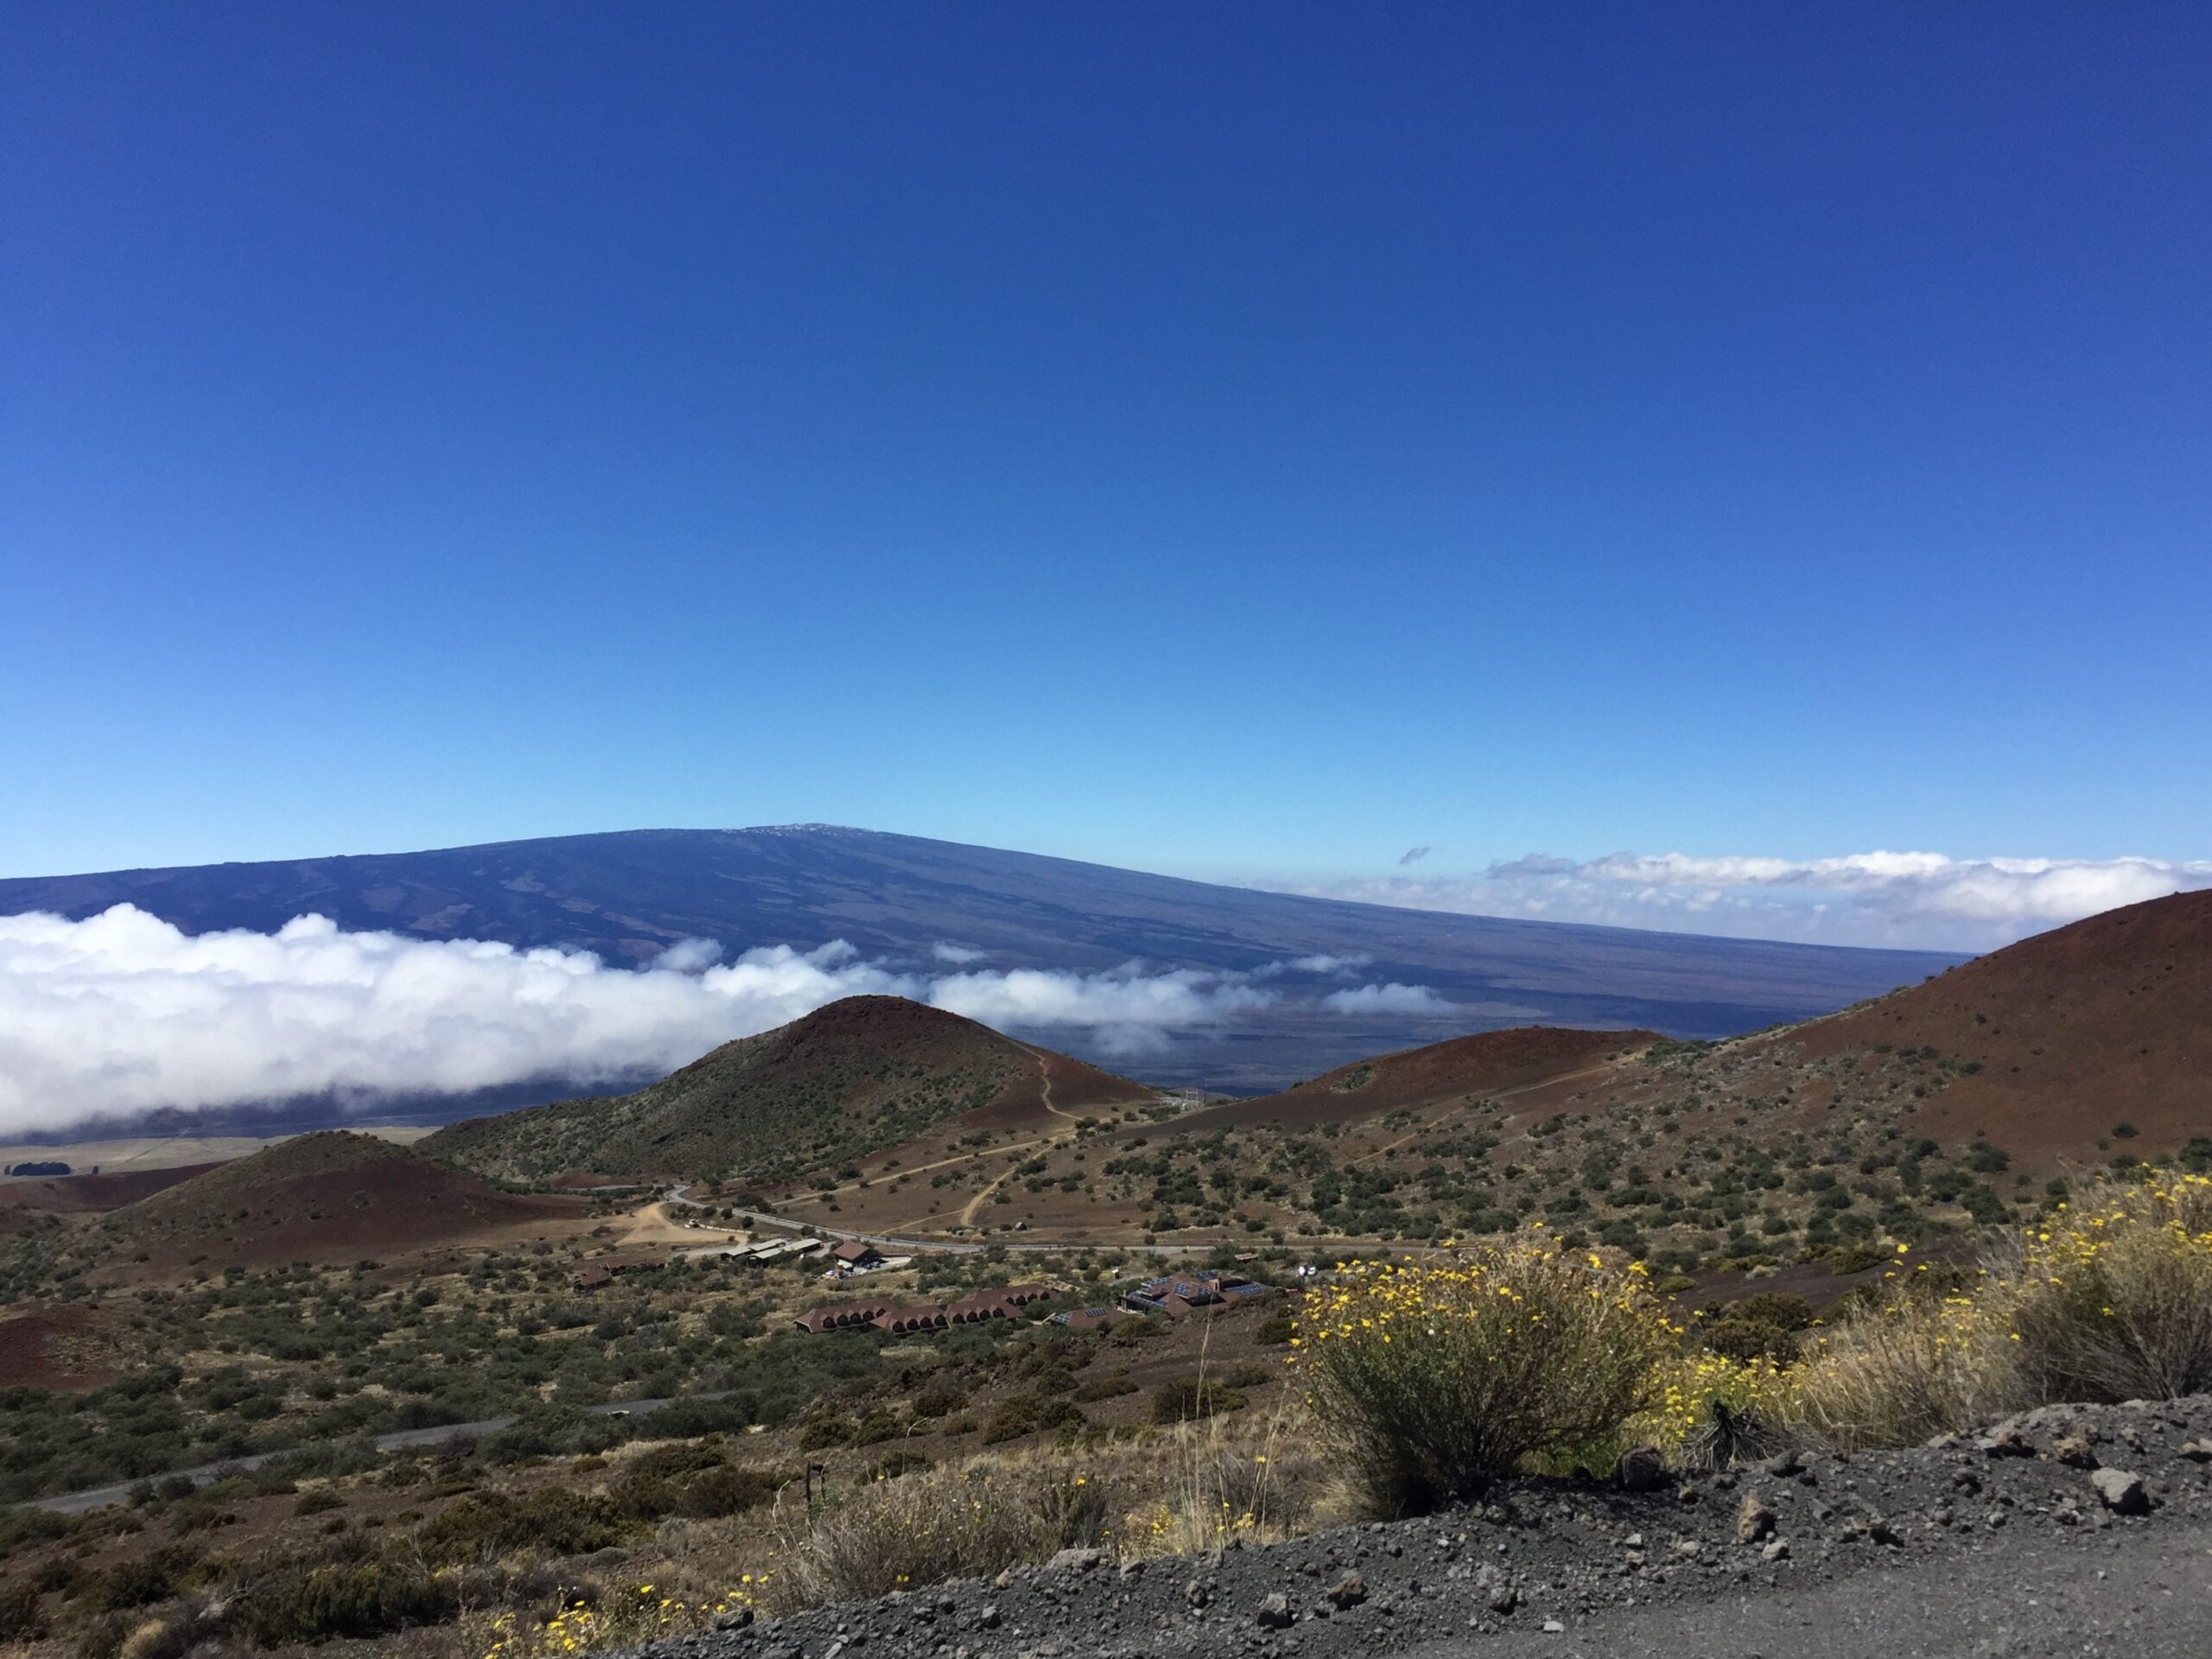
[(122, 1012), (1921, 900)]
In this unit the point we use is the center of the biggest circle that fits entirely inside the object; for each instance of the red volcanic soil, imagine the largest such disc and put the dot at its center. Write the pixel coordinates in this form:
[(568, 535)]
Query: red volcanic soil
[(1076, 1088), (2106, 1022), (1488, 1062), (67, 1195), (329, 1197), (829, 1038), (56, 1347)]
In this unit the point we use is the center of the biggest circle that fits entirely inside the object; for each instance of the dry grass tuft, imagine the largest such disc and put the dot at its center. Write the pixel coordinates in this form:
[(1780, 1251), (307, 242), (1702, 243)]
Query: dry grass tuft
[(2110, 1299)]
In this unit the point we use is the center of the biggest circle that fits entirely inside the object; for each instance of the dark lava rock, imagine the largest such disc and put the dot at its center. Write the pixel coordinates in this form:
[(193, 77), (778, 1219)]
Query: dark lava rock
[(1274, 1612), (1348, 1592), (1642, 1469)]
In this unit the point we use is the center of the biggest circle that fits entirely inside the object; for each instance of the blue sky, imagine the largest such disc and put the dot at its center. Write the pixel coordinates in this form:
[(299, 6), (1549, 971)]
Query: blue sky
[(1246, 441)]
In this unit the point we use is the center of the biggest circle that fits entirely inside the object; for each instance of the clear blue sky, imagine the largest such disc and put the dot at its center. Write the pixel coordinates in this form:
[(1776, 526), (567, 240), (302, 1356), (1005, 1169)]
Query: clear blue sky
[(1238, 439)]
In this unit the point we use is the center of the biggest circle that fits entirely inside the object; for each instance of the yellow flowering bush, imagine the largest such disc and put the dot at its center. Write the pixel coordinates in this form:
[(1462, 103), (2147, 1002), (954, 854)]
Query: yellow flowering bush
[(1434, 1379), (621, 1621), (1920, 1361), (2111, 1298), (1692, 1382)]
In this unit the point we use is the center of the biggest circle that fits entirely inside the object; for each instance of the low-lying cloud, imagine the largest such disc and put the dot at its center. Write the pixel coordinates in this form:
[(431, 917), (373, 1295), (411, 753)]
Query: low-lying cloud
[(122, 1012), (1391, 998), (1923, 900)]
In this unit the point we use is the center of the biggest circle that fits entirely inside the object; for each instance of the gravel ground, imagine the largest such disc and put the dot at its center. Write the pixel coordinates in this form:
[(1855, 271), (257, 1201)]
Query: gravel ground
[(2070, 1529)]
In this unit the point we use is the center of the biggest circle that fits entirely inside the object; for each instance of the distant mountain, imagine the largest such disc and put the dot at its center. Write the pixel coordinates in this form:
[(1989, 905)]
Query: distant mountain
[(862, 1074), (630, 896)]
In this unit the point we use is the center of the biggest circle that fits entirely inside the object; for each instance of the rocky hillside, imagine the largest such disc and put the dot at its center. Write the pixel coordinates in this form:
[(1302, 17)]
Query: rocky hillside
[(860, 1074)]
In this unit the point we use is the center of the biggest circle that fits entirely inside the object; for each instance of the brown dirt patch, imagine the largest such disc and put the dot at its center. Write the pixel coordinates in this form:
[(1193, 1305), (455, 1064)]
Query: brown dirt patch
[(65, 1349)]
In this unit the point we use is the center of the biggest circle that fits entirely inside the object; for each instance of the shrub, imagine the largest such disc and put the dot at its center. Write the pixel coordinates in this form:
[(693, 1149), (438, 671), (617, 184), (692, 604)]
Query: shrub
[(1434, 1380), (943, 1523), (2112, 1298), (717, 1493), (20, 1617), (1188, 1399), (1741, 1339), (485, 1526), (1912, 1363), (311, 1602), (1774, 1308), (1025, 1414)]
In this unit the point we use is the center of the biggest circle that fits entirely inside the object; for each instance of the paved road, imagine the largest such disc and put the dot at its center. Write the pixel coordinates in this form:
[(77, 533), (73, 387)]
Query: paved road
[(2140, 1596), (954, 1246), (100, 1497)]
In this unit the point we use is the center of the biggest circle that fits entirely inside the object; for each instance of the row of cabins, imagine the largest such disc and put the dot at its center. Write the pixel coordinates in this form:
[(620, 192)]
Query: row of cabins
[(976, 1308)]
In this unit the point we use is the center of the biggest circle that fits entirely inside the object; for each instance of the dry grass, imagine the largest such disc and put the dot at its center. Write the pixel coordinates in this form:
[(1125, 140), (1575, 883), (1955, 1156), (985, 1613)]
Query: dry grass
[(2110, 1299), (1919, 1363)]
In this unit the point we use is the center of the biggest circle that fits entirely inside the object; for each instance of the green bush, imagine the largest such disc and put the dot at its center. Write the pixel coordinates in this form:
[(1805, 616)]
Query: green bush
[(304, 1602), (1189, 1398), (486, 1525), (1027, 1413), (20, 1619)]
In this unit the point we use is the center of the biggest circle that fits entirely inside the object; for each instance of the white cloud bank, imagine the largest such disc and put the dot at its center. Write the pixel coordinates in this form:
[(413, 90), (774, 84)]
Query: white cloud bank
[(1923, 900), (122, 1012)]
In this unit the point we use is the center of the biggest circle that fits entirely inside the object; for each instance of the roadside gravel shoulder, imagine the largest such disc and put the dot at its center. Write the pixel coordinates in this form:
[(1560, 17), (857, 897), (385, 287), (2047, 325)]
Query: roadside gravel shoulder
[(2067, 1529)]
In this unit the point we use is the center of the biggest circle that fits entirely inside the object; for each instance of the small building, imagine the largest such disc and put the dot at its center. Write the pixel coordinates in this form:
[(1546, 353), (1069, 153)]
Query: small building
[(1177, 1294), (1086, 1318), (593, 1279), (856, 1256)]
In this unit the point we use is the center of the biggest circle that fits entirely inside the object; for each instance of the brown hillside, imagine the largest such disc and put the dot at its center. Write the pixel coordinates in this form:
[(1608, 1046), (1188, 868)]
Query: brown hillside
[(853, 1078), (77, 1195), (68, 1348), (1486, 1064), (329, 1197), (2106, 1022), (1921, 1116)]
